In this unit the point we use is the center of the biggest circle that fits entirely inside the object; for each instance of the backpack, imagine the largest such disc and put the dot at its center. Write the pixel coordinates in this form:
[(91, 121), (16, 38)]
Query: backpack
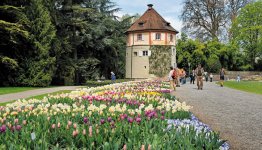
[(174, 75), (199, 72)]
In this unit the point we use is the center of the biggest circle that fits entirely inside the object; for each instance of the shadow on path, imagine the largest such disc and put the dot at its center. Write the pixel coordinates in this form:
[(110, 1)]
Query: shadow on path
[(237, 115)]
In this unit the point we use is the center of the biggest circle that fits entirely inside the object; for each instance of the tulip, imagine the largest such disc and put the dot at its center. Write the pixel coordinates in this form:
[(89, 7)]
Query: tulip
[(85, 120), (162, 117), (16, 121), (24, 122), (125, 115), (67, 127), (97, 131), (143, 147), (130, 120), (149, 147), (69, 123), (124, 147), (109, 119), (163, 112), (18, 127), (48, 118), (84, 132), (3, 128), (138, 120), (74, 133), (102, 121), (53, 126), (90, 131), (13, 128), (75, 125), (58, 124)]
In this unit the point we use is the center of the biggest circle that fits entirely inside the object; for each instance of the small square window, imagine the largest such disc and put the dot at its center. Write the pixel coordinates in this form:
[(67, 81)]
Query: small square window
[(158, 36), (139, 37), (145, 53), (135, 53)]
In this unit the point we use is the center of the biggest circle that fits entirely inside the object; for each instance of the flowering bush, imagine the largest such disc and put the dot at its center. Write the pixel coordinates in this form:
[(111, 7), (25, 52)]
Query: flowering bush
[(130, 115)]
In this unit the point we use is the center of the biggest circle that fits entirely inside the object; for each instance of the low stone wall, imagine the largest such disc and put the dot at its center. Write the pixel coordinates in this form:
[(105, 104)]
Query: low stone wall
[(243, 75)]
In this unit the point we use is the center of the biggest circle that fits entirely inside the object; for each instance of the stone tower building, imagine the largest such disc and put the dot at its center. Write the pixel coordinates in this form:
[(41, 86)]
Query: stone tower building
[(151, 42)]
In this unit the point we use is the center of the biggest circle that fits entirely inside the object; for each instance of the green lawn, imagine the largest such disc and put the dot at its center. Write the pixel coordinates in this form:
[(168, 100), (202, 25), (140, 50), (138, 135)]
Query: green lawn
[(7, 90), (39, 96), (248, 86)]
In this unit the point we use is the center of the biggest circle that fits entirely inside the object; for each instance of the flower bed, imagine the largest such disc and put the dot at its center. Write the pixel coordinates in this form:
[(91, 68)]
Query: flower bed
[(131, 115)]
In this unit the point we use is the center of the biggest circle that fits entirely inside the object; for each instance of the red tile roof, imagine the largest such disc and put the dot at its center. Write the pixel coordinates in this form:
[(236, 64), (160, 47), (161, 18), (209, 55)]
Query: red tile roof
[(151, 20)]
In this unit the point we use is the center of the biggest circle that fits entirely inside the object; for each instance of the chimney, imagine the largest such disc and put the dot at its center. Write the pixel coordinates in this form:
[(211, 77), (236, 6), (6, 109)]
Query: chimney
[(150, 6)]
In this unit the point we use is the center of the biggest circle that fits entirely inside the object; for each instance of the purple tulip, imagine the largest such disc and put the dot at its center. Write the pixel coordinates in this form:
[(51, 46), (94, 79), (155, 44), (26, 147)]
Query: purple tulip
[(18, 127), (138, 120), (163, 112), (109, 119), (125, 115), (3, 128), (102, 121), (85, 120), (130, 120)]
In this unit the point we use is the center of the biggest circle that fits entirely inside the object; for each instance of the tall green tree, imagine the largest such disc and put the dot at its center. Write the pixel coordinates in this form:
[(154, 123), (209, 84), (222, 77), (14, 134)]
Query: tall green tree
[(14, 42), (247, 32), (39, 68)]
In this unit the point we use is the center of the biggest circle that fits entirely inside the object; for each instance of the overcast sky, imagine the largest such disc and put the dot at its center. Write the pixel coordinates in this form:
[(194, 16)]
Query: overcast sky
[(170, 10)]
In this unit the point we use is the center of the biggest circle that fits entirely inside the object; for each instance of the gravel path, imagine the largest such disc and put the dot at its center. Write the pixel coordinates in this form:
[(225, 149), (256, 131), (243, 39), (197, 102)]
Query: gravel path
[(30, 93), (235, 114)]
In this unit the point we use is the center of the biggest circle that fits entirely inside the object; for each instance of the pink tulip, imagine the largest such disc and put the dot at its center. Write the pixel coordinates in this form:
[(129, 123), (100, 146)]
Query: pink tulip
[(162, 117), (143, 147), (84, 131), (149, 147), (24, 122), (74, 133), (138, 120), (75, 125), (16, 121), (69, 123), (124, 147), (90, 131), (53, 126)]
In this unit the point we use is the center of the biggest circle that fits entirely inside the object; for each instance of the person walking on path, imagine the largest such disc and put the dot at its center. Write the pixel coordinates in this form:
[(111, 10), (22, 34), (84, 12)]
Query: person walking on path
[(170, 78), (192, 77), (199, 72), (211, 77), (206, 76), (113, 77), (222, 76)]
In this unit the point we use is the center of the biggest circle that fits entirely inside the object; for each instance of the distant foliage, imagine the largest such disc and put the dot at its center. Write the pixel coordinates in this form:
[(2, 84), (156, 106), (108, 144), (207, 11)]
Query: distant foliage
[(160, 60)]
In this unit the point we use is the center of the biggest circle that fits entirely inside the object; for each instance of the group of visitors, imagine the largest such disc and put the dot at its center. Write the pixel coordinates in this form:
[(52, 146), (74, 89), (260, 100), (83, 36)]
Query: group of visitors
[(177, 76)]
